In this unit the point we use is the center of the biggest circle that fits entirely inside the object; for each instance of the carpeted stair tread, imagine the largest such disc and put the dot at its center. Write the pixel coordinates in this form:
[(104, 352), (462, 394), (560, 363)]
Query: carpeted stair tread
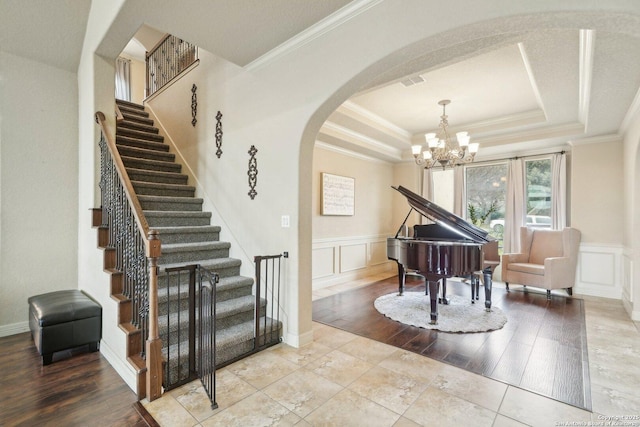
[(143, 153), (144, 175), (158, 189), (139, 163), (129, 104), (214, 265), (178, 214), (186, 234), (144, 120), (183, 247), (194, 252), (130, 124), (225, 284), (130, 141), (224, 309), (168, 203), (126, 110), (228, 341), (177, 218), (139, 135)]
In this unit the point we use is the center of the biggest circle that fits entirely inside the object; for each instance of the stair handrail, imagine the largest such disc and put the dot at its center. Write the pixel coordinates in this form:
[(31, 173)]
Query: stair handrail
[(152, 246)]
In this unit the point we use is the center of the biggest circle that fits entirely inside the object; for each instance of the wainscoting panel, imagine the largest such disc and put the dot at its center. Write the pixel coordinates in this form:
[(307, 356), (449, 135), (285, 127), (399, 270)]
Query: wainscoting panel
[(353, 257), (344, 259), (600, 271), (378, 252), (323, 264)]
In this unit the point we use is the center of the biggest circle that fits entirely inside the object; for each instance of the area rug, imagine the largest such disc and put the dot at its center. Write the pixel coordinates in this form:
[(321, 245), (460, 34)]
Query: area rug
[(413, 308)]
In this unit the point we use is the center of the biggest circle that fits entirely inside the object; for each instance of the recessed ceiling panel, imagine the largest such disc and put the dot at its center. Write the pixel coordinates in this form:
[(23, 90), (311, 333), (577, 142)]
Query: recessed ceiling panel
[(485, 88)]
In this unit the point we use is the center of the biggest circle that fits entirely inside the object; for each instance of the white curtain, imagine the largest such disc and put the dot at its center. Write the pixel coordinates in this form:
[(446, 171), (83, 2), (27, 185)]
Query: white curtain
[(427, 184), (558, 191), (459, 194), (123, 79), (427, 189), (514, 209)]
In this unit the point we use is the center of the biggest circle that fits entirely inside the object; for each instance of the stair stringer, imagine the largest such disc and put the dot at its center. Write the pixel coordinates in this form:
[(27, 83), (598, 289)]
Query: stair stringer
[(134, 362)]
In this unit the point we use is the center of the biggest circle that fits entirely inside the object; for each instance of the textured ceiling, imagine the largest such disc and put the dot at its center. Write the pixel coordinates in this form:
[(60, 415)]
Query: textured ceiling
[(48, 31), (514, 92), (539, 90)]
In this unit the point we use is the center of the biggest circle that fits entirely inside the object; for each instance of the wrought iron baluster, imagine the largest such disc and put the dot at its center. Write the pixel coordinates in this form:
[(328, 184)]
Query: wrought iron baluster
[(167, 60)]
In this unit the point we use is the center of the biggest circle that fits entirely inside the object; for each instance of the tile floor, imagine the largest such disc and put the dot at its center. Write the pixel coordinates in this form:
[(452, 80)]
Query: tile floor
[(342, 379)]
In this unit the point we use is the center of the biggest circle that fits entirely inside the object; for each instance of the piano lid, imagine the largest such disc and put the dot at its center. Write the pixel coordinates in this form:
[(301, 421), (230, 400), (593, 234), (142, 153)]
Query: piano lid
[(443, 217)]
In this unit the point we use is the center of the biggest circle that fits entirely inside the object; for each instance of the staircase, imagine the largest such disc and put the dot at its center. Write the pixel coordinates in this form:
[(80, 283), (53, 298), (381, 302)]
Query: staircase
[(187, 237)]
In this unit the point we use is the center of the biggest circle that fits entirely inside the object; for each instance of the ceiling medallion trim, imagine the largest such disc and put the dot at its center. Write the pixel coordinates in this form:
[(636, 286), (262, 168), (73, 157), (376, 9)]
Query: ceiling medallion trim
[(321, 27)]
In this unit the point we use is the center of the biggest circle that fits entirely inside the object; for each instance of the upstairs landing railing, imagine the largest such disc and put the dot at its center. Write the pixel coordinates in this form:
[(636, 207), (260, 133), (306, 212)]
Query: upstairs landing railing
[(137, 250), (170, 57)]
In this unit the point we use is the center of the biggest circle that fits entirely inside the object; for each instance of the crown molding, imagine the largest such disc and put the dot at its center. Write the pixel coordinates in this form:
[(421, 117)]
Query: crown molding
[(527, 118), (612, 138), (358, 112), (320, 28), (346, 134), (548, 132), (345, 152), (586, 72)]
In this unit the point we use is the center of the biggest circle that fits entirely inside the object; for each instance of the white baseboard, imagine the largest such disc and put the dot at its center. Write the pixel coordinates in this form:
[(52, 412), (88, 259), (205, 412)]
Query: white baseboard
[(14, 328), (298, 341), (122, 367)]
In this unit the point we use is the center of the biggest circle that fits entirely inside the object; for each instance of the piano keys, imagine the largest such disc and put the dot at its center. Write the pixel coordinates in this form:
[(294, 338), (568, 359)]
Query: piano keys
[(453, 247)]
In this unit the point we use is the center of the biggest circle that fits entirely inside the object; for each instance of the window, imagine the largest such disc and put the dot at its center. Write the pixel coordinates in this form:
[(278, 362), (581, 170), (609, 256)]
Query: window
[(486, 190), (538, 191)]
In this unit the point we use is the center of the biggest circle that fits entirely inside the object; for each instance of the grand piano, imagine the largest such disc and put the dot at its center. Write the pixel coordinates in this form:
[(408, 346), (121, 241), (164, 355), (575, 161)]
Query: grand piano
[(449, 247)]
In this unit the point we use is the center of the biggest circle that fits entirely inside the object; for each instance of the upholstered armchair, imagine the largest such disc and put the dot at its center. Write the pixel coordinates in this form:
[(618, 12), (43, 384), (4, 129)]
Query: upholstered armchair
[(547, 259)]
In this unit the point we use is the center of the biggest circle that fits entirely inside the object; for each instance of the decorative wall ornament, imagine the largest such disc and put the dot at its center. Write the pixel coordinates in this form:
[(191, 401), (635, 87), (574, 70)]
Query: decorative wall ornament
[(219, 134), (194, 105), (253, 172)]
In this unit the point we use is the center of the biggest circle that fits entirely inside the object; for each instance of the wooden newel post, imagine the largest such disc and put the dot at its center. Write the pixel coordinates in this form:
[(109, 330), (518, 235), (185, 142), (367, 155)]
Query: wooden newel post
[(154, 344)]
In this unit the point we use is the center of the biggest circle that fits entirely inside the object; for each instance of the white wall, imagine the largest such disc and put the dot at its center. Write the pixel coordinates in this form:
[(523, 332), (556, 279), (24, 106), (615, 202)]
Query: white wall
[(596, 203), (597, 207), (351, 247), (38, 185), (631, 190), (96, 82)]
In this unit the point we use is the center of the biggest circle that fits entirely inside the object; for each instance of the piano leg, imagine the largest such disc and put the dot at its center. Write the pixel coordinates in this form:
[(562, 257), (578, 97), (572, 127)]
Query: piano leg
[(401, 279), (474, 281), (433, 297), (444, 300), (488, 282)]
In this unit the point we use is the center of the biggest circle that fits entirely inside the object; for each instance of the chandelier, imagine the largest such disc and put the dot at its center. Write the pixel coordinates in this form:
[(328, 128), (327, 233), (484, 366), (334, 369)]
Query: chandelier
[(440, 150)]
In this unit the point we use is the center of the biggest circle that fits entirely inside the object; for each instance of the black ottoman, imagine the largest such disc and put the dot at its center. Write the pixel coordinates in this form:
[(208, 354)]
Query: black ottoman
[(63, 320)]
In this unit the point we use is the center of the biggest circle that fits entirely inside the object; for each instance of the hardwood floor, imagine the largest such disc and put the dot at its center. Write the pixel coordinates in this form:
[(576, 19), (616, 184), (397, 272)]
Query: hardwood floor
[(542, 348), (81, 390)]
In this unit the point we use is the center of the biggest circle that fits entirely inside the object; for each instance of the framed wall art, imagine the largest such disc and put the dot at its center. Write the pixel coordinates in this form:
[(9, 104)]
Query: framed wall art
[(338, 195)]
